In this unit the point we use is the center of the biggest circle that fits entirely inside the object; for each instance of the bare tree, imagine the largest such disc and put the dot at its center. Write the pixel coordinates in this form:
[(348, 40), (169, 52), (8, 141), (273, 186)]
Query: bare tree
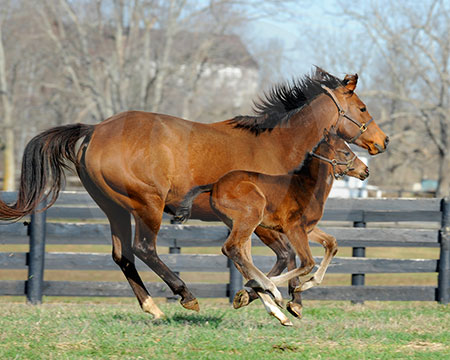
[(415, 46), (85, 60), (7, 107)]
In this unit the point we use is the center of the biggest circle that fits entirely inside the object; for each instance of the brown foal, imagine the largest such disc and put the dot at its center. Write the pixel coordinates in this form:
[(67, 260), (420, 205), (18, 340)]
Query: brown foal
[(291, 204), (138, 164)]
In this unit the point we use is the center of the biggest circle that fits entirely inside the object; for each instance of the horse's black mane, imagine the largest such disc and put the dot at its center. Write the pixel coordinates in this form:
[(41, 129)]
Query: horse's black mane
[(284, 100)]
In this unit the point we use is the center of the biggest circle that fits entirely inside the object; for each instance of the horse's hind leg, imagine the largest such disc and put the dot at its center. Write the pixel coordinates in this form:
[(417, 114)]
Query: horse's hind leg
[(148, 221), (124, 257), (120, 223)]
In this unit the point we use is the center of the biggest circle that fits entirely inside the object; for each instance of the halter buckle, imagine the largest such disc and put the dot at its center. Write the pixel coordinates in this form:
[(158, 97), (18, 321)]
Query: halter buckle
[(334, 162), (363, 128)]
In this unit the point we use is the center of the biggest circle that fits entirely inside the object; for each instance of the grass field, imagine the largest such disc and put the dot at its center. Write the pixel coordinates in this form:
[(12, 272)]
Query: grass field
[(94, 329)]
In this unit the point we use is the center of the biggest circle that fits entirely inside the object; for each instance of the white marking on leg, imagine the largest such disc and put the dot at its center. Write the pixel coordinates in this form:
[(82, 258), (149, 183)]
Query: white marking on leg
[(150, 307), (273, 309)]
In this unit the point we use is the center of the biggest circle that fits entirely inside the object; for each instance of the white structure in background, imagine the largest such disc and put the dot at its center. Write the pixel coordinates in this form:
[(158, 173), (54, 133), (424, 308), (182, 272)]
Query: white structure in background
[(350, 187)]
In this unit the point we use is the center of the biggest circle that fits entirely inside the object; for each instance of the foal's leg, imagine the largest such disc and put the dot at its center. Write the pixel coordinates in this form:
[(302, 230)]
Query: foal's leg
[(331, 248), (236, 248), (299, 240), (273, 309), (148, 220), (285, 258), (242, 212)]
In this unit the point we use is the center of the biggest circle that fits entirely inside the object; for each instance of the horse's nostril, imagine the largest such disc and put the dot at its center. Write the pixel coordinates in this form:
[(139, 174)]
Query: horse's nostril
[(386, 141)]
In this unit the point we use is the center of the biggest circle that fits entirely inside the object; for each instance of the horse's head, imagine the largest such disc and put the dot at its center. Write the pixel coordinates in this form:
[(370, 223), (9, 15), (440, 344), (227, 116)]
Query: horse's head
[(344, 160), (354, 123)]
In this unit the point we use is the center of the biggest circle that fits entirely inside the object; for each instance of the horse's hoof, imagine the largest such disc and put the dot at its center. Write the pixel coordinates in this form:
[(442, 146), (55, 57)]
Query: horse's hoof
[(191, 305), (241, 299), (286, 322), (295, 309)]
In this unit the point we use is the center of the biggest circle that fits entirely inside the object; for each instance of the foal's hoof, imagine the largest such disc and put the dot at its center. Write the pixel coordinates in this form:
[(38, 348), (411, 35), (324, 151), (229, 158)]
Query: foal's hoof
[(241, 299), (286, 322), (295, 309), (191, 305)]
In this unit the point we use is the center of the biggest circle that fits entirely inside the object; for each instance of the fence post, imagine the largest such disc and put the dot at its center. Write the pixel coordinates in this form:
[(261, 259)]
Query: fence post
[(358, 279), (444, 257), (236, 281), (36, 256)]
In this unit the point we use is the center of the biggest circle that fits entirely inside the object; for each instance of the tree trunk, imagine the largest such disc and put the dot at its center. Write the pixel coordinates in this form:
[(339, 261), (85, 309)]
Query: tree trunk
[(8, 131)]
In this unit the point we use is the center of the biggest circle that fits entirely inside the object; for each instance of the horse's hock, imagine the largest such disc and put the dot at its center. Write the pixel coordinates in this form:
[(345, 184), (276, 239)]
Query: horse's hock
[(356, 223)]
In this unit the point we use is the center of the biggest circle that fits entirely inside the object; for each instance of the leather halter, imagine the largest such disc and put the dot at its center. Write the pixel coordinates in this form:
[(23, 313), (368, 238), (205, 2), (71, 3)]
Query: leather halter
[(334, 163), (343, 113)]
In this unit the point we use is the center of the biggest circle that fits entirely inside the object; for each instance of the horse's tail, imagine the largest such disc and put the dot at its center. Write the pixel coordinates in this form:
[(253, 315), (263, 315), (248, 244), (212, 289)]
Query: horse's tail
[(183, 212), (43, 162)]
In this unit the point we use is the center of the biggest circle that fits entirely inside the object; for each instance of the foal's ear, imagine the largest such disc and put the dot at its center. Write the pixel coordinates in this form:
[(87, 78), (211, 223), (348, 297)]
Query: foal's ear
[(350, 82)]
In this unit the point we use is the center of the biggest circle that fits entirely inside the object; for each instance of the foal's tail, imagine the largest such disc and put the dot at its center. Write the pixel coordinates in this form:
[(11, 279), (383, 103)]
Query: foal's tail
[(183, 212), (43, 162)]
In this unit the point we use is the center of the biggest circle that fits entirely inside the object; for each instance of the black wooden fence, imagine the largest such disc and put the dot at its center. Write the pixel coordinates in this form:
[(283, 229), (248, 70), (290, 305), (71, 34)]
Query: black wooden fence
[(369, 221)]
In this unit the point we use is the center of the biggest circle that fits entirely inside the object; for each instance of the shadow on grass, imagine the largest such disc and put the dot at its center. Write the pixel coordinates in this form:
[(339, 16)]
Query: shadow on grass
[(193, 319), (212, 321)]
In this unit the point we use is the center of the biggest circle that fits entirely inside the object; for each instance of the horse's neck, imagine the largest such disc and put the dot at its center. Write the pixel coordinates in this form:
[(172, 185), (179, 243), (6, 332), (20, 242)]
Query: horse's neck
[(305, 129)]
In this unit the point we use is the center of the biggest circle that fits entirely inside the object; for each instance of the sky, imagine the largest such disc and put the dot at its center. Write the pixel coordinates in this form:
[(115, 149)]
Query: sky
[(321, 17)]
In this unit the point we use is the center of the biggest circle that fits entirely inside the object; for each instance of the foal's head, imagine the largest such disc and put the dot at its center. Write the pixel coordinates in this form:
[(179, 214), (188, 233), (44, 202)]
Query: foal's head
[(341, 157)]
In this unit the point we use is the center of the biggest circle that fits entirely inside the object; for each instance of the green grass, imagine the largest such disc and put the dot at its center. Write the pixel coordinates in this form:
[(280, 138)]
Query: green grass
[(121, 331)]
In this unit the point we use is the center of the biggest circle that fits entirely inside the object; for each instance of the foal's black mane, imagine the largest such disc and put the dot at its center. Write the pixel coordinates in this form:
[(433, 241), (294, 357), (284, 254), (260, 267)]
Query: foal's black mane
[(285, 100)]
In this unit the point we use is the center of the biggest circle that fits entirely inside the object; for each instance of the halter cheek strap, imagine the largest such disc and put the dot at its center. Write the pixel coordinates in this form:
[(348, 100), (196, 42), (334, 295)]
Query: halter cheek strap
[(343, 113), (334, 163)]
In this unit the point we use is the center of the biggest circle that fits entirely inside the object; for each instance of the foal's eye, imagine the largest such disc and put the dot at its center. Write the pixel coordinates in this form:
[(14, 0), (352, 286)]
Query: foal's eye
[(363, 109)]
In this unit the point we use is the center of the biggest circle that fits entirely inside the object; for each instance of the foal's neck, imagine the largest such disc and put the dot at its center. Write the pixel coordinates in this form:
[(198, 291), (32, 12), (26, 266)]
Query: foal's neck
[(315, 176)]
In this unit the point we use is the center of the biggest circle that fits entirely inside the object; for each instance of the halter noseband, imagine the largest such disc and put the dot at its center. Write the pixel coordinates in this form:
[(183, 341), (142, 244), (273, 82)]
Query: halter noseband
[(334, 163), (343, 113)]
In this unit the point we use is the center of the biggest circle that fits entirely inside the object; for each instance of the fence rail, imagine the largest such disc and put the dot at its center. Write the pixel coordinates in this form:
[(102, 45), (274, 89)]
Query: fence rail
[(78, 208)]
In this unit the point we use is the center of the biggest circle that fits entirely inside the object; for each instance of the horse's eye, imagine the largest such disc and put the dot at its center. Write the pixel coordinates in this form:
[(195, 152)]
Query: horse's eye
[(363, 109), (347, 153)]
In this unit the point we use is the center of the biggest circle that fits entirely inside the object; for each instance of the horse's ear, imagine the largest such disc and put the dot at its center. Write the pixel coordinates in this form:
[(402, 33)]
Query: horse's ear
[(350, 82)]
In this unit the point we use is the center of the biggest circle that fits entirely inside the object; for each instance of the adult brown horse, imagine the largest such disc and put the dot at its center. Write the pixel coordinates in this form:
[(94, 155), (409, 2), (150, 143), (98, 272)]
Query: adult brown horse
[(143, 163)]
